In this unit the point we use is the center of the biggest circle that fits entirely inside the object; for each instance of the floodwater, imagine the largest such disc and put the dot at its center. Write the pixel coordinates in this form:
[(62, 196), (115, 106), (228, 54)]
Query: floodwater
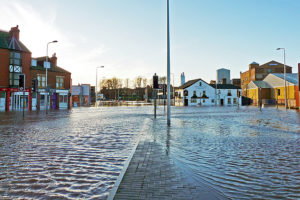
[(74, 154), (242, 154)]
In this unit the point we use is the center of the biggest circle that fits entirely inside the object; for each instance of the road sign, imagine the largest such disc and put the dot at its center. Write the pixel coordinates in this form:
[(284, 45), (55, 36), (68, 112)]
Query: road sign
[(21, 88)]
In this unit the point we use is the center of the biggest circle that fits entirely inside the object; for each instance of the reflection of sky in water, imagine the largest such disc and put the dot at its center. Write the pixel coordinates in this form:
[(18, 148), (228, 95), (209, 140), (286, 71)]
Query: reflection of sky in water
[(242, 154)]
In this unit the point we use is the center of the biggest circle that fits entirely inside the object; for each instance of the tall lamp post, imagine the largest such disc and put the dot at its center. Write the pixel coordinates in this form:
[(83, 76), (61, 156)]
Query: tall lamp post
[(168, 67), (285, 96), (48, 66), (96, 87)]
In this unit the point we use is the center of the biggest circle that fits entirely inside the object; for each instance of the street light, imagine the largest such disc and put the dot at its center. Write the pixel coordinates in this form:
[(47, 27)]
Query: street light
[(285, 98), (97, 83), (54, 41), (168, 67)]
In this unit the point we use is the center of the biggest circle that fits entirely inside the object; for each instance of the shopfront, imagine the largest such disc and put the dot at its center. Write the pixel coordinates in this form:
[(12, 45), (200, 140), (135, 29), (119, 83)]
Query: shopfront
[(14, 99)]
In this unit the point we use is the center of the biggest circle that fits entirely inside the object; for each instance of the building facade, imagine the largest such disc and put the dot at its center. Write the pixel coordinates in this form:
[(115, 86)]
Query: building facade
[(223, 76), (258, 72), (15, 59), (59, 81), (199, 93), (81, 95)]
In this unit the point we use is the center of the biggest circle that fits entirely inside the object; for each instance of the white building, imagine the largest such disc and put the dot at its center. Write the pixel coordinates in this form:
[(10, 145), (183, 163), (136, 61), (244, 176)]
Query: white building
[(199, 93), (223, 76)]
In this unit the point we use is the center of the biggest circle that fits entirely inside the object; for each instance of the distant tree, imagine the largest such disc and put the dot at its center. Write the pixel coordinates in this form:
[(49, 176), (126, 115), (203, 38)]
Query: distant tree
[(145, 82), (162, 80), (127, 83), (138, 81)]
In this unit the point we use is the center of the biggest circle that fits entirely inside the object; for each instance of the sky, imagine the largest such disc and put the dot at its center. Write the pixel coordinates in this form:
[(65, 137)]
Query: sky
[(128, 37)]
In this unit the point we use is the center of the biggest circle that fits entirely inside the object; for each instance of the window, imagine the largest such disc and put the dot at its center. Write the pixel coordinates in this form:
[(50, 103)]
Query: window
[(234, 101), (33, 63), (41, 80), (203, 100), (213, 101), (229, 100), (60, 82), (228, 92), (200, 84), (15, 68), (278, 92), (193, 100)]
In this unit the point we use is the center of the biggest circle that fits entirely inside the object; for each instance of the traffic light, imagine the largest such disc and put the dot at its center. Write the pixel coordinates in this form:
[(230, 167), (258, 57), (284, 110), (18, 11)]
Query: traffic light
[(22, 81), (155, 82), (34, 85)]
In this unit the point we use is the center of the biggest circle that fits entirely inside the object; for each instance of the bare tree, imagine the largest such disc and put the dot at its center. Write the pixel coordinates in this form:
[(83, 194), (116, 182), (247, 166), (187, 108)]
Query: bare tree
[(145, 82), (138, 81), (162, 80), (127, 83)]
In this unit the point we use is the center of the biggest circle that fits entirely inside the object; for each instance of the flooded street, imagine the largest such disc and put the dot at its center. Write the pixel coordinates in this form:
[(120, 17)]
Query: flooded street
[(242, 154), (67, 154)]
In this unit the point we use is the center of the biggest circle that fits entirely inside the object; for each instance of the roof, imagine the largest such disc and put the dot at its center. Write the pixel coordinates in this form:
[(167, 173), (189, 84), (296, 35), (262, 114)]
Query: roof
[(274, 63), (258, 84), (224, 86), (254, 63), (52, 69), (189, 83), (290, 77), (7, 42)]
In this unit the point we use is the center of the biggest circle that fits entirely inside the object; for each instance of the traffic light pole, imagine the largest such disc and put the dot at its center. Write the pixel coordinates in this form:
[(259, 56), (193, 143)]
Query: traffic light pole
[(24, 96)]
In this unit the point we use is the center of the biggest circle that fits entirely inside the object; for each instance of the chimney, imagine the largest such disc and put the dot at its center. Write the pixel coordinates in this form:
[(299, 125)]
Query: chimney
[(14, 31), (182, 76), (53, 60)]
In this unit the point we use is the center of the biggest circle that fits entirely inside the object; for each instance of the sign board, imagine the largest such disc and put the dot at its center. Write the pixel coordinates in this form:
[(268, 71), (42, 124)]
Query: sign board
[(46, 65), (101, 96), (47, 88)]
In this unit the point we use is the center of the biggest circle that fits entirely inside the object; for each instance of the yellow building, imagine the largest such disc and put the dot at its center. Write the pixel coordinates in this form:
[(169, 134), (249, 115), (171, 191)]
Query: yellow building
[(271, 90)]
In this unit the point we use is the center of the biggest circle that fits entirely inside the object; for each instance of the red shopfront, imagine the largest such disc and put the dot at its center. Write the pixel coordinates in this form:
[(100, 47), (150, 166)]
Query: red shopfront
[(15, 99)]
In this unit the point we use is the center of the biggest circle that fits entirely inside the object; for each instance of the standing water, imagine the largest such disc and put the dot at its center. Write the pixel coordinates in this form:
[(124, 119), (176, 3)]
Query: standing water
[(243, 154)]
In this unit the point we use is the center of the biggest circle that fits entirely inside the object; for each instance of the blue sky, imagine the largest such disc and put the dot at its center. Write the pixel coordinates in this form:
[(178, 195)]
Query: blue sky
[(128, 37)]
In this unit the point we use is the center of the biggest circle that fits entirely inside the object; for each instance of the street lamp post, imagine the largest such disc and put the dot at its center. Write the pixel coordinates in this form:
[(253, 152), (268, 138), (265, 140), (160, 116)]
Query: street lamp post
[(284, 75), (96, 87), (168, 66), (54, 41)]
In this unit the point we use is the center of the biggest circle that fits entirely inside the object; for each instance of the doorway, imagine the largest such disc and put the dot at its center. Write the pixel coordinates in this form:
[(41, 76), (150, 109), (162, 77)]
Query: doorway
[(186, 102), (222, 102)]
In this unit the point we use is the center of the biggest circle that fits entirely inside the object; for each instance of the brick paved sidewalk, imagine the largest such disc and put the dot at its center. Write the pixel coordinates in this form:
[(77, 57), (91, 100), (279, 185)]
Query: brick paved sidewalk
[(151, 175)]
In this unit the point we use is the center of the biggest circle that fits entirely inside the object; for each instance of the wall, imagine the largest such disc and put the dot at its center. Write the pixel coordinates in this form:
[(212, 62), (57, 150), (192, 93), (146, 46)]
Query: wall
[(4, 69)]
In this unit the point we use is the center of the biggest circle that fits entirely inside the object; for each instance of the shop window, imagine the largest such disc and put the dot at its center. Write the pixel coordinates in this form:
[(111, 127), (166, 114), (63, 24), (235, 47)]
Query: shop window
[(41, 80), (229, 100), (60, 82)]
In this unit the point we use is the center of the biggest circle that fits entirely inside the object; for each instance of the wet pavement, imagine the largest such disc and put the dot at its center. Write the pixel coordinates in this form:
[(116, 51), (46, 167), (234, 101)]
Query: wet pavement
[(233, 154)]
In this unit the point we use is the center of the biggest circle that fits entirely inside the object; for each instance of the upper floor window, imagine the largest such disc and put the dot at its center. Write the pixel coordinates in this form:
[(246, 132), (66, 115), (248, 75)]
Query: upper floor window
[(41, 80), (200, 84), (229, 93), (15, 68), (60, 82), (33, 63)]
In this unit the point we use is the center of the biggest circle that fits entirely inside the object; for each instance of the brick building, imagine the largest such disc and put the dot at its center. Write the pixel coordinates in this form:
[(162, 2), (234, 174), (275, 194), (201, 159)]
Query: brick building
[(258, 72), (59, 82), (16, 59)]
